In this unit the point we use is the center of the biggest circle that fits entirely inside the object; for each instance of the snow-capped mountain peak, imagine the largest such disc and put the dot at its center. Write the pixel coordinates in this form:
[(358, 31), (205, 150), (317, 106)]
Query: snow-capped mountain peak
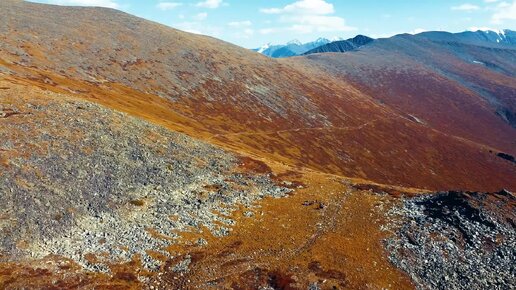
[(264, 47), (322, 40), (295, 42)]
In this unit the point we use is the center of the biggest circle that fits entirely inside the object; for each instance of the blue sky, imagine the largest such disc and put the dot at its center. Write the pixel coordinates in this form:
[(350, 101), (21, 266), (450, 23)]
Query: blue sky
[(251, 23)]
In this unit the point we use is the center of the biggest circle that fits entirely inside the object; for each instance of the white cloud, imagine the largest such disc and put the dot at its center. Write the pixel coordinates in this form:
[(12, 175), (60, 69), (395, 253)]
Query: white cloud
[(241, 29), (466, 7), (96, 3), (212, 4), (317, 23), (490, 1), (201, 16), (307, 16), (168, 5), (240, 23), (504, 11), (266, 31), (317, 7), (244, 34)]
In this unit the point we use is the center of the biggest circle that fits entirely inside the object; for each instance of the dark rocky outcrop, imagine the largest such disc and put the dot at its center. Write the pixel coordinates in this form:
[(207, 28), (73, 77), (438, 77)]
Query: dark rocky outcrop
[(456, 240), (507, 157)]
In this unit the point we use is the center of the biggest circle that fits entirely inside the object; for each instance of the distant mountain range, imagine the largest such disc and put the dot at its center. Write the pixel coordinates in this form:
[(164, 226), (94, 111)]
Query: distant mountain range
[(342, 45), (292, 48), (323, 45)]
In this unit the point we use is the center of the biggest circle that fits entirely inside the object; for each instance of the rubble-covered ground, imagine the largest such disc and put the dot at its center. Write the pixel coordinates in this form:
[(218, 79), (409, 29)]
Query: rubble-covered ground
[(77, 178), (456, 240)]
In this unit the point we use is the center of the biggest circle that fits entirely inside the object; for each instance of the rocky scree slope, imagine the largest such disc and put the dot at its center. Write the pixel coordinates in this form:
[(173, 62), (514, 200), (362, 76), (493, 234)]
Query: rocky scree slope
[(79, 179)]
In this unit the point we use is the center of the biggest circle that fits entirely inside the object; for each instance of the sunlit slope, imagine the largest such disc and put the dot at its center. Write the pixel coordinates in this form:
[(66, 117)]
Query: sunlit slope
[(289, 111)]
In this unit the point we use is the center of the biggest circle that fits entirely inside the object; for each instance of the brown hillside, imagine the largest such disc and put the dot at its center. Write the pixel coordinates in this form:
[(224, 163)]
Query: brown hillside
[(219, 92), (437, 84)]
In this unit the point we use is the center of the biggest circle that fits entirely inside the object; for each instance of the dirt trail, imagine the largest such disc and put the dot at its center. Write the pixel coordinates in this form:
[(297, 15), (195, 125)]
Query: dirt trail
[(347, 128)]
